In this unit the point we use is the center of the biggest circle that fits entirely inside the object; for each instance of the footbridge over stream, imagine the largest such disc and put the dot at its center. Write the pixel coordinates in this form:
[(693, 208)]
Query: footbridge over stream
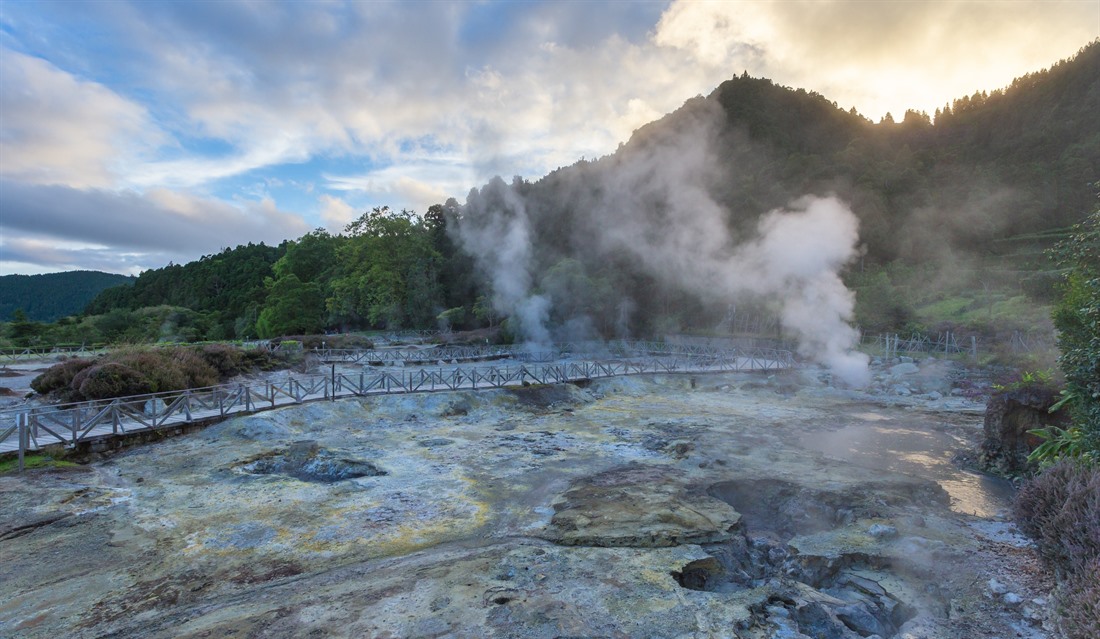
[(380, 372)]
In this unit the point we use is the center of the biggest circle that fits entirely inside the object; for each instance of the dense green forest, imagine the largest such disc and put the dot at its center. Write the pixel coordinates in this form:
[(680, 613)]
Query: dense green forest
[(49, 297), (955, 211)]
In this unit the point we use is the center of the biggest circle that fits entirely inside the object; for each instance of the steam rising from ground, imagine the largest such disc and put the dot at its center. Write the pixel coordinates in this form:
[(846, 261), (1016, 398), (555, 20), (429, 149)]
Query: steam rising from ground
[(496, 231), (653, 203), (797, 257)]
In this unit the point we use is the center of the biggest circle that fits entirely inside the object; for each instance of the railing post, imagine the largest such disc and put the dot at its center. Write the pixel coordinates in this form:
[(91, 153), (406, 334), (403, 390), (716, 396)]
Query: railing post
[(21, 421)]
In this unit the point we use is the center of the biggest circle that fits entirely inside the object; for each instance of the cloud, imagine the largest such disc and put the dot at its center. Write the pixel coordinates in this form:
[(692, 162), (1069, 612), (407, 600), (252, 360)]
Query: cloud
[(159, 221), (59, 129), (407, 103), (418, 182), (336, 213), (881, 56), (48, 255)]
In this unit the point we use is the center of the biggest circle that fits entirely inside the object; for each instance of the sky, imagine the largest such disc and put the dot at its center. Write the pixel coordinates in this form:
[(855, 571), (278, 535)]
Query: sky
[(134, 134)]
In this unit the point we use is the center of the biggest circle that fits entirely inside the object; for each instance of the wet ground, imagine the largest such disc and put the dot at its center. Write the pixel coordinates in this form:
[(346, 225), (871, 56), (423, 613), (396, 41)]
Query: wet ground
[(660, 506)]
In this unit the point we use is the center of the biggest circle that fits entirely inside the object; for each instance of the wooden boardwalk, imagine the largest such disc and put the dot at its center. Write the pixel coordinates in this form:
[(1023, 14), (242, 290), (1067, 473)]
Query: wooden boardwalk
[(29, 429)]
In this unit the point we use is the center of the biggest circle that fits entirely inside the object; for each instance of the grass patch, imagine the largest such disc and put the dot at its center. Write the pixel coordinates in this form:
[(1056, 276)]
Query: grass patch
[(1017, 311), (945, 310), (31, 462)]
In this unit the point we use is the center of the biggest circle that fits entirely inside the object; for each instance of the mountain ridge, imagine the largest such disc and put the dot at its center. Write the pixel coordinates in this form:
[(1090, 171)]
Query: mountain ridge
[(51, 296)]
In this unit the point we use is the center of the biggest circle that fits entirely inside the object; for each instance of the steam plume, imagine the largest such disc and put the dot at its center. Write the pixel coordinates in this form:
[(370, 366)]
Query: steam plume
[(653, 202), (496, 231)]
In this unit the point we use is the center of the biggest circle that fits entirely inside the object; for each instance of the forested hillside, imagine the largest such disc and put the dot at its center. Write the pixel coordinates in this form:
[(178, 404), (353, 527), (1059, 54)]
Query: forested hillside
[(49, 297), (227, 287), (966, 197)]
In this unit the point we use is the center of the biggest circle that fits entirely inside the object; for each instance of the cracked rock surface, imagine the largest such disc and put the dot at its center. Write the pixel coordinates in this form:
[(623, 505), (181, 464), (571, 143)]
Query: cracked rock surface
[(722, 506)]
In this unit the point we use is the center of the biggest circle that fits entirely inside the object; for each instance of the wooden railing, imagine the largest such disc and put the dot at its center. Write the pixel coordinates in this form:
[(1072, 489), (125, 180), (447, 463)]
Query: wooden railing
[(32, 428)]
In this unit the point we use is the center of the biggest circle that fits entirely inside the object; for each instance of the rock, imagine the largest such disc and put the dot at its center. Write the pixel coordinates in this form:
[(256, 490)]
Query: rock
[(1008, 418), (702, 574), (902, 389), (458, 407), (435, 442), (997, 587), (906, 360), (640, 507), (860, 618), (868, 586), (934, 396), (253, 428), (1012, 600), (817, 620), (882, 531), (905, 368)]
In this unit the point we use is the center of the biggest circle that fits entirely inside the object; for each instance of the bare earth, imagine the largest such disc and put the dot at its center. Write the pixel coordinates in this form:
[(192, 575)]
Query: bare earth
[(663, 506)]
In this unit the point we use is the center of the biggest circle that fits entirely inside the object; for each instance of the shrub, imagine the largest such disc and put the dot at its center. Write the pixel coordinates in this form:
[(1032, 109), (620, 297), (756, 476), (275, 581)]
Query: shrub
[(108, 380), (154, 370), (1077, 318), (169, 369), (1079, 603), (59, 377), (1060, 509), (226, 360), (260, 358)]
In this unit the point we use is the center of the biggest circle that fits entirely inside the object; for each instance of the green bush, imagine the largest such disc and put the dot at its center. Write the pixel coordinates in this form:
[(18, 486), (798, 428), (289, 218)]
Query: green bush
[(1077, 318)]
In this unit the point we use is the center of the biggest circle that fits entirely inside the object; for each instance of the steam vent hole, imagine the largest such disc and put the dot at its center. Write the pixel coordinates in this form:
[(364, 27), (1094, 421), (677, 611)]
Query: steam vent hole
[(306, 461), (703, 574)]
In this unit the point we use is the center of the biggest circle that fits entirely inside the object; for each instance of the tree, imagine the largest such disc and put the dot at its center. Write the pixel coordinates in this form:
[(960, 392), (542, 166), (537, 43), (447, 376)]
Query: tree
[(1077, 318), (388, 272), (22, 331), (310, 258), (292, 307)]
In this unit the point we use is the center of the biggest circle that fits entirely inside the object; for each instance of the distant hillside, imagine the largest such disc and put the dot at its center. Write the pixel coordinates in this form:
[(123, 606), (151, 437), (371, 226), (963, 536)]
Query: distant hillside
[(49, 297), (229, 285), (965, 198), (987, 168)]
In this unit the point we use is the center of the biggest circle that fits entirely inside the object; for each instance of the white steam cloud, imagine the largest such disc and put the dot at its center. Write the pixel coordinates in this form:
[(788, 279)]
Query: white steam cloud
[(496, 231), (653, 201), (797, 260)]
